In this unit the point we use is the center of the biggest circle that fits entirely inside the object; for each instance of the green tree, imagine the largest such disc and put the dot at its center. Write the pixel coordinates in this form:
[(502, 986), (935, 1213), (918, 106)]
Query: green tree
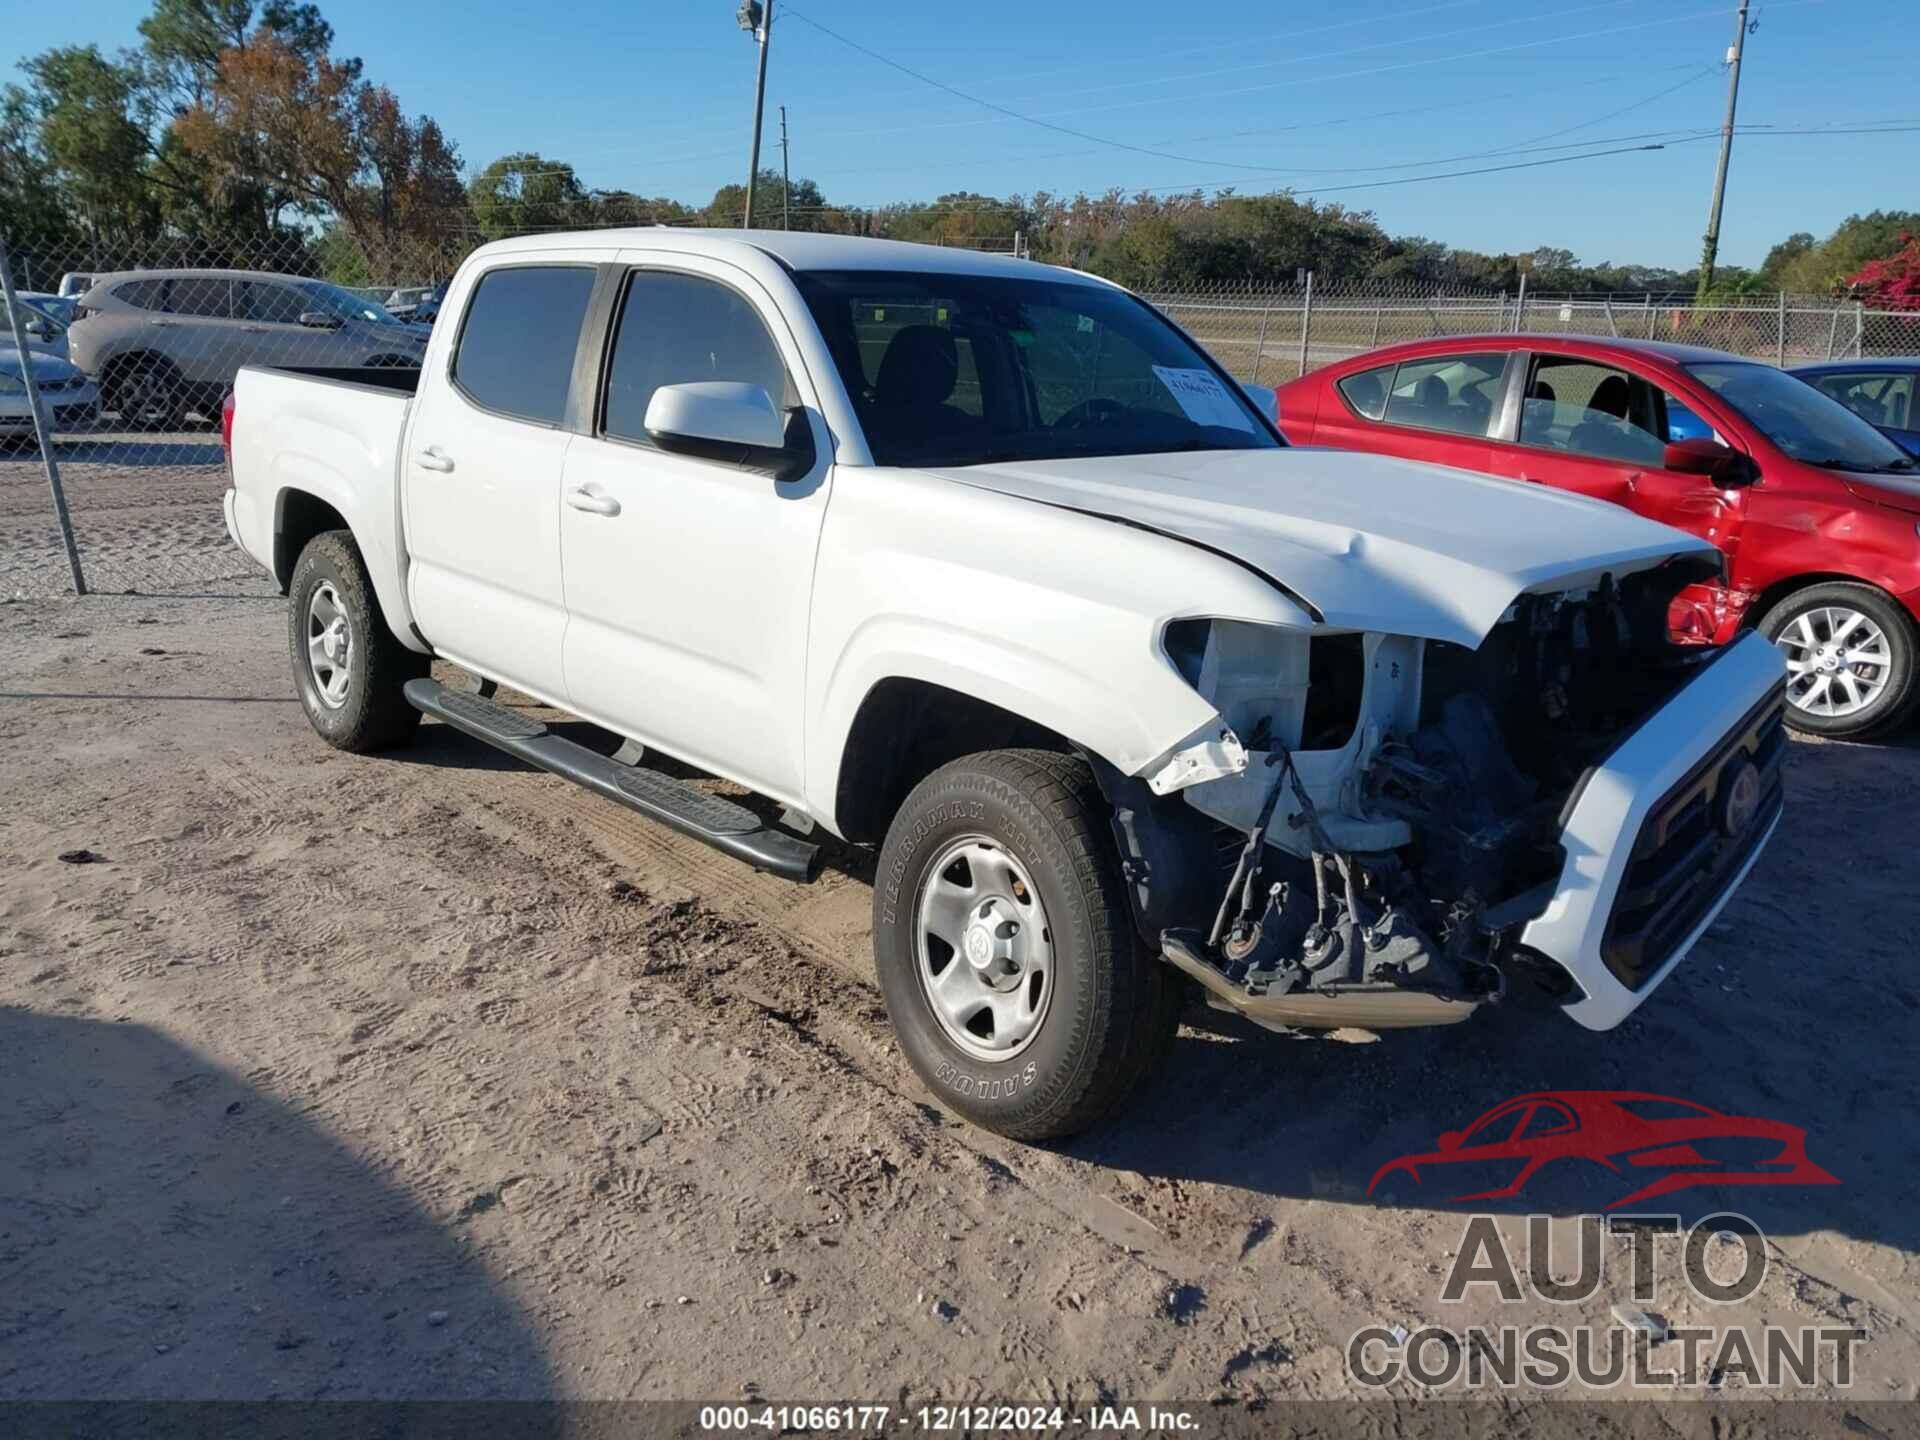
[(525, 192), (806, 208)]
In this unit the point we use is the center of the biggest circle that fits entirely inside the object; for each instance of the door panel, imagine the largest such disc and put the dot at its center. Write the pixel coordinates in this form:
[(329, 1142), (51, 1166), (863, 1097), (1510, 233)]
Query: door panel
[(688, 580), (484, 457), (1601, 431)]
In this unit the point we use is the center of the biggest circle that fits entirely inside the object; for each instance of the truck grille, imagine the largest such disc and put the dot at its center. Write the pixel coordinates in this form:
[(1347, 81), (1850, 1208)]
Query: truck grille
[(1693, 843)]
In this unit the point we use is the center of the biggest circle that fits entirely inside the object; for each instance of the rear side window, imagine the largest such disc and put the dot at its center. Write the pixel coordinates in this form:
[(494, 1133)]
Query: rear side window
[(517, 343), (204, 298), (675, 329), (1446, 392), (1367, 391), (141, 294)]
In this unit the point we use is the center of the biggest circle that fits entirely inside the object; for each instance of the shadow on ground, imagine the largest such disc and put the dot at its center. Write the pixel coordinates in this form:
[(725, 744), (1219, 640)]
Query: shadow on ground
[(170, 1231)]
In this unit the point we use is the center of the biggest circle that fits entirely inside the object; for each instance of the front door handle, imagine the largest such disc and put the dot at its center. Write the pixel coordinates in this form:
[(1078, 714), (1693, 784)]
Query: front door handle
[(434, 458), (594, 502), (162, 324)]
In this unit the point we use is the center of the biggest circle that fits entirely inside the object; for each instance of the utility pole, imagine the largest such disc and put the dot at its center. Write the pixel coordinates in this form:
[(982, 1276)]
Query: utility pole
[(786, 176), (1711, 251), (757, 20)]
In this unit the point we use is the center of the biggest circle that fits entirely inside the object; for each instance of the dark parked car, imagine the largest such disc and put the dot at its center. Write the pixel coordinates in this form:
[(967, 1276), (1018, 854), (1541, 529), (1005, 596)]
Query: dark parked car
[(1878, 391), (1814, 508)]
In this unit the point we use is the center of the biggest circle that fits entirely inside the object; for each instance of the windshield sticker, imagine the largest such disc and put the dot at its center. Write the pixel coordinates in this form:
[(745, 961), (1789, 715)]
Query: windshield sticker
[(1204, 399)]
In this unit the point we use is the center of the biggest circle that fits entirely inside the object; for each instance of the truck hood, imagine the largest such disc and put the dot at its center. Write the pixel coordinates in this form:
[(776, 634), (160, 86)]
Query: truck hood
[(1367, 541)]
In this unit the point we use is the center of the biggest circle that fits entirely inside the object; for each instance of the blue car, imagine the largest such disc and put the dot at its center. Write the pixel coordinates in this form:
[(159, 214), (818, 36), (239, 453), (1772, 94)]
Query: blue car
[(1879, 391)]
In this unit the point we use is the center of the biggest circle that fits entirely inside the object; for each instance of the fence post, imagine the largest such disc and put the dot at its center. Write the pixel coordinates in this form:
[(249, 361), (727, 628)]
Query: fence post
[(1780, 333), (1260, 346), (1859, 327), (1613, 328), (1833, 332), (42, 431), (1306, 322), (1520, 306)]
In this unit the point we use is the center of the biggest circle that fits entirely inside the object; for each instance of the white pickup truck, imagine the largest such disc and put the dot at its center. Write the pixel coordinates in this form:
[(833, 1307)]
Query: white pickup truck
[(990, 566)]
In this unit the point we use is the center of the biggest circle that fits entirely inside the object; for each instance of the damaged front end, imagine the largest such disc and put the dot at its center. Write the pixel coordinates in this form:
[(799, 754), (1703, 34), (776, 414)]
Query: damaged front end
[(1379, 829)]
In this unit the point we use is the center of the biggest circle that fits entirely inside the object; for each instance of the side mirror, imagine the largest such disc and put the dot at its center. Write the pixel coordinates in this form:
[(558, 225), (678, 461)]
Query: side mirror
[(319, 320), (39, 329), (716, 412), (1722, 464), (1450, 1140)]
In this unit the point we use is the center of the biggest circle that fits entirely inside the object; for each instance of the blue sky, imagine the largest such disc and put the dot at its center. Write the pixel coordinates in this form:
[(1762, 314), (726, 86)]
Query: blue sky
[(657, 97)]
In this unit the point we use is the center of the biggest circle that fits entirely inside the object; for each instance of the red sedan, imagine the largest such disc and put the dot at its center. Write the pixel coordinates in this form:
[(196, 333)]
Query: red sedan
[(1814, 508), (1655, 1144)]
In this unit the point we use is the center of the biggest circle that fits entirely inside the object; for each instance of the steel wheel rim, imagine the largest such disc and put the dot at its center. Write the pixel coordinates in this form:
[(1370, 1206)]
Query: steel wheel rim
[(1838, 661), (147, 395), (983, 949), (329, 645)]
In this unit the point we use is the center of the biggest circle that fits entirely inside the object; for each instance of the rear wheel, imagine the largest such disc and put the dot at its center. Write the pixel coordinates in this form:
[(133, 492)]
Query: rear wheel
[(1850, 652), (1006, 951), (347, 665)]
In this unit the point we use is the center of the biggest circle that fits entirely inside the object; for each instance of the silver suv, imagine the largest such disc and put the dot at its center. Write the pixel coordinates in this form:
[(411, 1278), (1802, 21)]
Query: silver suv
[(165, 342)]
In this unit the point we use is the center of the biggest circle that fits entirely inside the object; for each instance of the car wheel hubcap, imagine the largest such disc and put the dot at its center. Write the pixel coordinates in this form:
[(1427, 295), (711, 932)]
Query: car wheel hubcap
[(329, 646), (1838, 661), (983, 950)]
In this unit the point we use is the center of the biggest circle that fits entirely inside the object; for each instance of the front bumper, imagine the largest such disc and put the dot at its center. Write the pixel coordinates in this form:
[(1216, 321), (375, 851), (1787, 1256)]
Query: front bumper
[(69, 408), (1654, 846)]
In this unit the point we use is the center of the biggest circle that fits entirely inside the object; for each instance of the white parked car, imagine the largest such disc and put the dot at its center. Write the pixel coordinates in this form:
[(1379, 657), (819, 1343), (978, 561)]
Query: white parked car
[(990, 566)]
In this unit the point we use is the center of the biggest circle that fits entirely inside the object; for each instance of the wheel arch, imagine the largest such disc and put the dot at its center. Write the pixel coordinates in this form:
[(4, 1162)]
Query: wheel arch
[(299, 515), (907, 727), (1784, 589)]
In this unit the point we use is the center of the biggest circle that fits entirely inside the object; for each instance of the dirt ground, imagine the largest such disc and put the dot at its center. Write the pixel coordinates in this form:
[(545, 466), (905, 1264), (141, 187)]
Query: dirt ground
[(430, 1076)]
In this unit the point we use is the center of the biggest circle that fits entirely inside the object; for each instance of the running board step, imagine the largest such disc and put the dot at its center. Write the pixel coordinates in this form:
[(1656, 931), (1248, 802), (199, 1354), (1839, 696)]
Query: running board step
[(712, 818)]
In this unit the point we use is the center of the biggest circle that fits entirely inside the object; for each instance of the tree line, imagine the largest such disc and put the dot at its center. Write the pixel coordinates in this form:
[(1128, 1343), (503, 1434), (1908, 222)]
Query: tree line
[(232, 132)]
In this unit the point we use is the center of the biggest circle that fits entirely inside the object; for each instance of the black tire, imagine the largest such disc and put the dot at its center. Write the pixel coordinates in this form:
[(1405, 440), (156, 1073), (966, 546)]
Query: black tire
[(1893, 706), (147, 391), (1109, 1016), (372, 714)]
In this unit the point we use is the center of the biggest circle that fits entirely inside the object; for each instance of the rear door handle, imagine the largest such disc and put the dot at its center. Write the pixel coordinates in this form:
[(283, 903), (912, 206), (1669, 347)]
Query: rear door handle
[(434, 458), (161, 324), (594, 502)]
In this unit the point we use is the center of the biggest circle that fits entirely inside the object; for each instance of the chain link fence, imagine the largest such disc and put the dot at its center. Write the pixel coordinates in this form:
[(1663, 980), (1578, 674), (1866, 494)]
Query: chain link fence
[(132, 362), (1269, 337)]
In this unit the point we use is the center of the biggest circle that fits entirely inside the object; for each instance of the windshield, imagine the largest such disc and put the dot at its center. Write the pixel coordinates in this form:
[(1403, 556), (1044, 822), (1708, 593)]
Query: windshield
[(346, 304), (973, 369), (1809, 426)]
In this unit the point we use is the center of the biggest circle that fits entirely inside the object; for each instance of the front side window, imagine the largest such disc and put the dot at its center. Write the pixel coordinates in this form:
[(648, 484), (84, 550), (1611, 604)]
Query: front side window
[(1882, 400), (1812, 427), (204, 299), (1366, 392), (675, 330), (265, 303), (1583, 408), (1446, 392), (516, 347), (344, 304), (976, 369)]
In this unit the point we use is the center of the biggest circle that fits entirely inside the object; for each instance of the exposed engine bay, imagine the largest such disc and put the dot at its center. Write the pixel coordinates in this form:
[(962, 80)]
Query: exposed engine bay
[(1379, 815)]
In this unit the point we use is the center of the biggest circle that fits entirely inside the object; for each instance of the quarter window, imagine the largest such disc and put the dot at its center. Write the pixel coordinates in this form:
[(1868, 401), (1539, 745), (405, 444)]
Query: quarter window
[(677, 329), (1582, 408), (1367, 391), (1447, 392), (517, 345)]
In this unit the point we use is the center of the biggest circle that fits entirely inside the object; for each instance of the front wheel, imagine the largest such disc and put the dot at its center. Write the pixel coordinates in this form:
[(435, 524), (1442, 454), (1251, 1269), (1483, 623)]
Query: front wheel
[(1005, 948), (1850, 652), (347, 665)]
